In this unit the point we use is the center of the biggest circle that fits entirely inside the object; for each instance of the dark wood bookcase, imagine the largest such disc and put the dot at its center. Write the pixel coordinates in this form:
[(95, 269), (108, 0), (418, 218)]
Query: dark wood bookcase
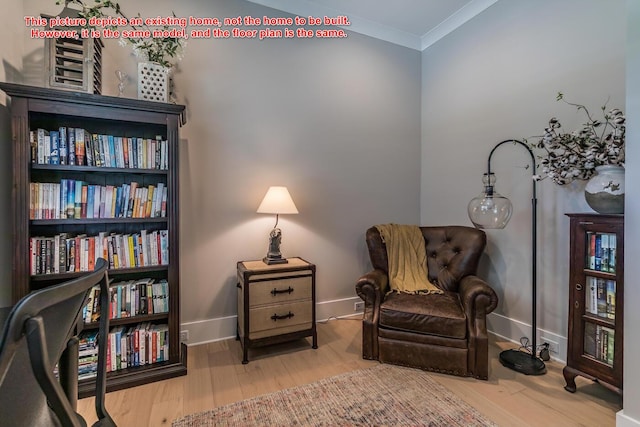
[(596, 300), (35, 108)]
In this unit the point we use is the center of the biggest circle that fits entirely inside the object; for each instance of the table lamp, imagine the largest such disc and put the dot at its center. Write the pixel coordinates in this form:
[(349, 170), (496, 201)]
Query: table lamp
[(491, 210), (277, 201)]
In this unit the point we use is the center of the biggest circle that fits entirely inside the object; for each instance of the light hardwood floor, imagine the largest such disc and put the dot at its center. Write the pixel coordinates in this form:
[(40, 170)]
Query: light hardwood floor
[(216, 377)]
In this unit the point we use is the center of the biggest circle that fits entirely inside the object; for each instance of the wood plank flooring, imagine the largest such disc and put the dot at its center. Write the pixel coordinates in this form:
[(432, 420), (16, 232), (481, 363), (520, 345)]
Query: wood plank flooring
[(217, 377)]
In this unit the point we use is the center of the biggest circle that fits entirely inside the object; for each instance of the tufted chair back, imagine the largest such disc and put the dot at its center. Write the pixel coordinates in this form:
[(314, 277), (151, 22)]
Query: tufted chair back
[(444, 332), (453, 252)]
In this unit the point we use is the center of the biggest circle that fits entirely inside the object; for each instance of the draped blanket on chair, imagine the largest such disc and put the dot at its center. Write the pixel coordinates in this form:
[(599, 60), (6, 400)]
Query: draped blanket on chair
[(407, 256)]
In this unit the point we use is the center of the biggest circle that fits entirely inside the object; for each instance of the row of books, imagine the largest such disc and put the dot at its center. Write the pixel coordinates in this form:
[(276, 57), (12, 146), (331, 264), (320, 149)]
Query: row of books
[(88, 354), (599, 342), (79, 147), (128, 346), (601, 251), (601, 297), (64, 253), (129, 298), (75, 199)]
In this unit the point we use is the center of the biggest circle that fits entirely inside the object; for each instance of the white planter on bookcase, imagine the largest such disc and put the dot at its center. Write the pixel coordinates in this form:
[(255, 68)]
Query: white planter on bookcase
[(153, 82)]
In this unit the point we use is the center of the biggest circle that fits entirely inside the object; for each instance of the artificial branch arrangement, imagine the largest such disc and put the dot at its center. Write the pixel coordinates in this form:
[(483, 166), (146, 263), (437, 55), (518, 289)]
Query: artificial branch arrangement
[(165, 51), (575, 155)]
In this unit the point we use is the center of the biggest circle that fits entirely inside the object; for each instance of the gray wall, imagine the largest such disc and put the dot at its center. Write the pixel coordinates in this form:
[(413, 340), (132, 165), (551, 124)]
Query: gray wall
[(337, 121), (496, 78)]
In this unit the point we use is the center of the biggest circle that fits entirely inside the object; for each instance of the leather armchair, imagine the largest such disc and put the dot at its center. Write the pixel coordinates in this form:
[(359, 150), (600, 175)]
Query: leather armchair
[(437, 332)]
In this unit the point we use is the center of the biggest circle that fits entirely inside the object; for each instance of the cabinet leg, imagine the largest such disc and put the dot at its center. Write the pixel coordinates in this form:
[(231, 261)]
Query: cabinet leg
[(245, 353), (570, 378), (315, 340)]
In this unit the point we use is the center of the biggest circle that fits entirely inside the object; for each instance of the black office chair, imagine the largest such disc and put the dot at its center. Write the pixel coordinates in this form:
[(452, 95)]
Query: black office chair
[(41, 331)]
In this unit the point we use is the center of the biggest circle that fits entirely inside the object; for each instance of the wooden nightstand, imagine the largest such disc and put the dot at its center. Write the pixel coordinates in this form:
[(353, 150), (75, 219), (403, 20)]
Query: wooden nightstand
[(276, 303)]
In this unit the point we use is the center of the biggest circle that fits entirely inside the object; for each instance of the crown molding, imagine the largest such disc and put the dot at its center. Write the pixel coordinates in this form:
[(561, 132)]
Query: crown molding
[(462, 16), (379, 31)]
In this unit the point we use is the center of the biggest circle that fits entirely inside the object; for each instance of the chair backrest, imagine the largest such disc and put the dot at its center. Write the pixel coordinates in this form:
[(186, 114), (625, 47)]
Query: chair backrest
[(40, 333), (453, 252)]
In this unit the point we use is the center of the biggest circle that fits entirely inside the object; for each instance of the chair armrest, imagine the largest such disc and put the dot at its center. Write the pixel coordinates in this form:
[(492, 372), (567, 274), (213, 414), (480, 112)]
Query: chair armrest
[(477, 297), (372, 287)]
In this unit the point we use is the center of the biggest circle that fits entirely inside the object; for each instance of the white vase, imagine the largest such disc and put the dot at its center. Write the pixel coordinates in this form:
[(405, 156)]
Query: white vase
[(604, 192), (153, 82)]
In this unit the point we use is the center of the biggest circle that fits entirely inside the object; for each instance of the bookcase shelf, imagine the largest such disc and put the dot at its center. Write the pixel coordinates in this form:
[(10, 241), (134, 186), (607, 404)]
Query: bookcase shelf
[(99, 169), (596, 300), (36, 222), (57, 277), (131, 320), (154, 126)]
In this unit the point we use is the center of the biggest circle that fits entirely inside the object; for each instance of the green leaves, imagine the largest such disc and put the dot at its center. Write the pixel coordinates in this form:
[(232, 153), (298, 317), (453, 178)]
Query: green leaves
[(163, 51)]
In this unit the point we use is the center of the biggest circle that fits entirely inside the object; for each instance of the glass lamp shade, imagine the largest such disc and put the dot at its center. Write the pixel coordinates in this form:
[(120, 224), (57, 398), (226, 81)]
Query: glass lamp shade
[(489, 209)]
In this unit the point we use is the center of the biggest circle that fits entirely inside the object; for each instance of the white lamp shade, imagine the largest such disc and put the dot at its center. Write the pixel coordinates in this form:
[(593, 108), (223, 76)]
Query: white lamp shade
[(277, 201)]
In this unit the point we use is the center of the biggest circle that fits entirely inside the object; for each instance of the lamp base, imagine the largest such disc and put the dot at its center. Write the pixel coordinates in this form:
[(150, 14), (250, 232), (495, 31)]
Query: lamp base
[(522, 362), (269, 260)]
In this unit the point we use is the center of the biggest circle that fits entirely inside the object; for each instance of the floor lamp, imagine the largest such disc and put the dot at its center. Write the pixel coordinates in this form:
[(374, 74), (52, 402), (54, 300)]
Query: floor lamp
[(491, 210)]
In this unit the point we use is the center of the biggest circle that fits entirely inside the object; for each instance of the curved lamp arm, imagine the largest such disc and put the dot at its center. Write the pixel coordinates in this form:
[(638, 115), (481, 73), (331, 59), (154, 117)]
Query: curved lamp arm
[(513, 358)]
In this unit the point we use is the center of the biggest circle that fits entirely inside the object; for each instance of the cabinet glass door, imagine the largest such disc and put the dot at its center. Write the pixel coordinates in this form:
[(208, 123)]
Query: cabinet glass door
[(600, 296)]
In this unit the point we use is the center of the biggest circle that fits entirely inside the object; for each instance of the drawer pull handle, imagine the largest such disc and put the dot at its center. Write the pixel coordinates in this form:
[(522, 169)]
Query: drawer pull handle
[(275, 317), (275, 291), (578, 286)]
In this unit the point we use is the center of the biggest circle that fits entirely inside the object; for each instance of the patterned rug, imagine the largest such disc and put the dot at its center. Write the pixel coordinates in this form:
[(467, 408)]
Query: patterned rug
[(383, 395)]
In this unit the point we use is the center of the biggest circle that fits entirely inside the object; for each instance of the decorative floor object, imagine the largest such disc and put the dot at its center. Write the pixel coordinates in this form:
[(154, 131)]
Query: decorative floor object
[(382, 395)]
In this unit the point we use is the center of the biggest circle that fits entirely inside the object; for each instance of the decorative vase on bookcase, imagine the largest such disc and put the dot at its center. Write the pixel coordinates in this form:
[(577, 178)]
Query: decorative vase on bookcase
[(153, 82), (604, 192)]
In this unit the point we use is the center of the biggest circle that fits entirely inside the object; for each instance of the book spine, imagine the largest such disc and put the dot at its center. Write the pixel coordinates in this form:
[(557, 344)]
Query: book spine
[(77, 204), (612, 253), (598, 252), (84, 200), (111, 151), (611, 299), (54, 155), (82, 154), (40, 137), (33, 145), (64, 158), (126, 146), (71, 146)]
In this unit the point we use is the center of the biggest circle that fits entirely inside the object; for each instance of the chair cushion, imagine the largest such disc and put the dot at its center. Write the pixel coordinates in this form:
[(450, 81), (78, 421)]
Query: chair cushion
[(434, 314)]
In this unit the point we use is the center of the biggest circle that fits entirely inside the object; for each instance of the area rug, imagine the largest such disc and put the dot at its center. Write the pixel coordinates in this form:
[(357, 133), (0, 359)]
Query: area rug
[(383, 395)]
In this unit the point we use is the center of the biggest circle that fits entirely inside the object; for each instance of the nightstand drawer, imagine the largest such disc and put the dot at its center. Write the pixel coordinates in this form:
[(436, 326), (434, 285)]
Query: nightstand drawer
[(279, 291), (276, 303), (280, 319)]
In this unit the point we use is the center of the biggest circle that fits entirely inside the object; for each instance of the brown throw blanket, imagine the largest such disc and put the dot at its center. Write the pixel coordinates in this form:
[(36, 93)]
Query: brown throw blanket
[(407, 257)]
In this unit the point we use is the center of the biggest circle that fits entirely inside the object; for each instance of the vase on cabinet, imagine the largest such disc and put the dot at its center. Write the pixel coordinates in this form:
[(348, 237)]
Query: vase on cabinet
[(604, 192)]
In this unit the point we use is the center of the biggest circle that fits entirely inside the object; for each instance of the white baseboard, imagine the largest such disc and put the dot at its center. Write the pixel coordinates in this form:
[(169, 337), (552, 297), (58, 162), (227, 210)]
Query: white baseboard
[(210, 330), (623, 420), (512, 330), (222, 328)]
